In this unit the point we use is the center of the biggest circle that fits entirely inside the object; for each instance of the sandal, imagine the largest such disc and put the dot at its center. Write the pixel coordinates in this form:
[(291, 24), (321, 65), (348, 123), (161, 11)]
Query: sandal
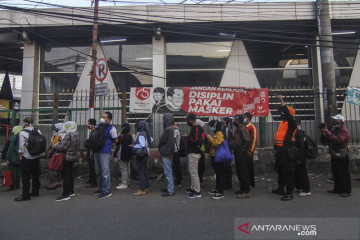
[(139, 193)]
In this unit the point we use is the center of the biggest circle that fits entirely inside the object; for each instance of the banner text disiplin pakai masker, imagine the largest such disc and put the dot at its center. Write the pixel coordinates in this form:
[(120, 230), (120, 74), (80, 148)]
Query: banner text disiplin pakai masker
[(202, 101)]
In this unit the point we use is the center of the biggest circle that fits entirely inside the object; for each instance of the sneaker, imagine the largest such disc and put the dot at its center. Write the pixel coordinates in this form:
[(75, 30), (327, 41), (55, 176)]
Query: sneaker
[(244, 195), (213, 192), (189, 190), (167, 194), (104, 195), (62, 198), (345, 195), (218, 196), (304, 194), (287, 197), (164, 190), (121, 187), (71, 194), (194, 194), (96, 192), (278, 191)]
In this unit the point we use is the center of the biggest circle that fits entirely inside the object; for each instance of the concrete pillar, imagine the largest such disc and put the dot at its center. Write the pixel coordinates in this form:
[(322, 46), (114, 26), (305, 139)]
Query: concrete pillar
[(30, 78), (159, 62)]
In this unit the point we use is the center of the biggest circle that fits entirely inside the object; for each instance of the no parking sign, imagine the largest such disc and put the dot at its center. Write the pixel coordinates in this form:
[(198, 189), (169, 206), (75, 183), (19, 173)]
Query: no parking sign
[(101, 69)]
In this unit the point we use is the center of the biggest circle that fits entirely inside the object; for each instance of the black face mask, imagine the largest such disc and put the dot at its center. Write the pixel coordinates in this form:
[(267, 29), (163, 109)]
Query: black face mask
[(236, 124), (189, 124), (335, 125)]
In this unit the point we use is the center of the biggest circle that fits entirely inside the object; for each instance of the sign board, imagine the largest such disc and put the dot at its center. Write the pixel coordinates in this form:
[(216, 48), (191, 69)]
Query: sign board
[(4, 105), (101, 69), (101, 89), (203, 101), (353, 95)]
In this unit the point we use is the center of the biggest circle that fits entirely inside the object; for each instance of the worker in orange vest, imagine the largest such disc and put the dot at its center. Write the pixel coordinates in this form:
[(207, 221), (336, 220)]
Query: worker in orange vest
[(284, 160)]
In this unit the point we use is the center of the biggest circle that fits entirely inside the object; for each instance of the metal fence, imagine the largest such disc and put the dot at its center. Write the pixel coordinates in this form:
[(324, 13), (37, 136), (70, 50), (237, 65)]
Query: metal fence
[(73, 106)]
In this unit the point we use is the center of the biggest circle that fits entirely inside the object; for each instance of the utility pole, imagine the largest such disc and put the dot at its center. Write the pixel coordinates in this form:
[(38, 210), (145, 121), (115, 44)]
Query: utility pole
[(327, 57), (93, 58)]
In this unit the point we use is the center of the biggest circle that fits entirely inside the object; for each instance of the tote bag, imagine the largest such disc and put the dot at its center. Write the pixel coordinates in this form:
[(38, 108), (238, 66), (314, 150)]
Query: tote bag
[(223, 153), (7, 181)]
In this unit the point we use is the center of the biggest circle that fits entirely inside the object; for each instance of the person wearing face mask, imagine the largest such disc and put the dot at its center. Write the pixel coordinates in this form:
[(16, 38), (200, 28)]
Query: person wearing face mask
[(102, 157), (124, 155), (54, 176), (29, 164), (228, 134), (194, 141), (92, 182), (253, 135), (143, 141), (240, 144), (219, 167), (338, 139), (284, 163), (166, 149)]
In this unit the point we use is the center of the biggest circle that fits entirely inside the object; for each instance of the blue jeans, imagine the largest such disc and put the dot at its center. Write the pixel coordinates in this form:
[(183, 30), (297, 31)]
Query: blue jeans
[(141, 168), (166, 162), (102, 169)]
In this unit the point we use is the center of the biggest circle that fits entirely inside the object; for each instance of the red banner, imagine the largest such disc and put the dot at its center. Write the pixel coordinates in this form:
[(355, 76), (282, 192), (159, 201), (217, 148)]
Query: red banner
[(213, 101), (203, 101)]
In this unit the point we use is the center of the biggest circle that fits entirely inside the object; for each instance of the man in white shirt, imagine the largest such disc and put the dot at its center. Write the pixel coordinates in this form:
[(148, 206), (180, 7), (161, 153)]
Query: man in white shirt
[(29, 165)]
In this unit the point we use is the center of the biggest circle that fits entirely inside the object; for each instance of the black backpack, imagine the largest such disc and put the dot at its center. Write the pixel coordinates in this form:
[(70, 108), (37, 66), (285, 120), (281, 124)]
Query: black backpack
[(310, 147), (36, 143), (97, 139)]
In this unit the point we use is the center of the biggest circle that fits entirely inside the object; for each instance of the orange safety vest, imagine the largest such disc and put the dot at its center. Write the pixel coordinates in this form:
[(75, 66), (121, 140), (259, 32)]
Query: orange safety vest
[(281, 133)]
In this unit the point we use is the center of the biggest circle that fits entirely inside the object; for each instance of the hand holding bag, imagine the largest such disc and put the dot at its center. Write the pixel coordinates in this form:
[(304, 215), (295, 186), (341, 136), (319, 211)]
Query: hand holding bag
[(223, 153), (56, 162)]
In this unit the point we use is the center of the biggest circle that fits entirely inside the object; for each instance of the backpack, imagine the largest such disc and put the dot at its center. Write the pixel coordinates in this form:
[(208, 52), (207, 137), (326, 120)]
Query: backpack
[(204, 146), (310, 147), (36, 143), (96, 139), (5, 149)]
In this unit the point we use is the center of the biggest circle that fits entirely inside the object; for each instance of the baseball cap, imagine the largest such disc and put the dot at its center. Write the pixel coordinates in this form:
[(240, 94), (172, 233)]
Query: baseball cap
[(190, 116), (240, 117), (248, 115), (339, 117)]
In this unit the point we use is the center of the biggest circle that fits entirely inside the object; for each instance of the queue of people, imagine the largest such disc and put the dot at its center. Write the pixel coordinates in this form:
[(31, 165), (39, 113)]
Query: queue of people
[(240, 143)]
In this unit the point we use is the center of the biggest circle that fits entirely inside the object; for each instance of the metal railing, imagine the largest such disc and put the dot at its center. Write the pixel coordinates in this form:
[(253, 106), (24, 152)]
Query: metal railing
[(307, 102)]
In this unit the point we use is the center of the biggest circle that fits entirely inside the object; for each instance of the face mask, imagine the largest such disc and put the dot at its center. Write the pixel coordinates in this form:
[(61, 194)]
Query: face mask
[(88, 126), (189, 124), (236, 124), (102, 120), (245, 121), (335, 125), (212, 129)]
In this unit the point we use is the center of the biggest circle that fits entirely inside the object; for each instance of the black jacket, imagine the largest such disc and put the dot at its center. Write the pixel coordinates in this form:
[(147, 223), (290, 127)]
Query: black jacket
[(125, 140), (166, 143), (194, 140)]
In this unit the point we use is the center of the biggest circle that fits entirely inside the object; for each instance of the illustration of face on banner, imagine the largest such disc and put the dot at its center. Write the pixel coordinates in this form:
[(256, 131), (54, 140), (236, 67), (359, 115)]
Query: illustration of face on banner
[(203, 101)]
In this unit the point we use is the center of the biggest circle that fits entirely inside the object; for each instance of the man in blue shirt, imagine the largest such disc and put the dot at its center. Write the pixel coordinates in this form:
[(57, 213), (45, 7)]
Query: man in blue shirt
[(102, 157)]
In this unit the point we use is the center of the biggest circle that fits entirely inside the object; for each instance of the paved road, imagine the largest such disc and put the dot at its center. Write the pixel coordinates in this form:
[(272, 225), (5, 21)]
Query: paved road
[(124, 216)]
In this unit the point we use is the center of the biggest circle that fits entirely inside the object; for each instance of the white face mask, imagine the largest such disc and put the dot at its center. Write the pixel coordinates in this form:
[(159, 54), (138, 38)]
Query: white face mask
[(102, 120)]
